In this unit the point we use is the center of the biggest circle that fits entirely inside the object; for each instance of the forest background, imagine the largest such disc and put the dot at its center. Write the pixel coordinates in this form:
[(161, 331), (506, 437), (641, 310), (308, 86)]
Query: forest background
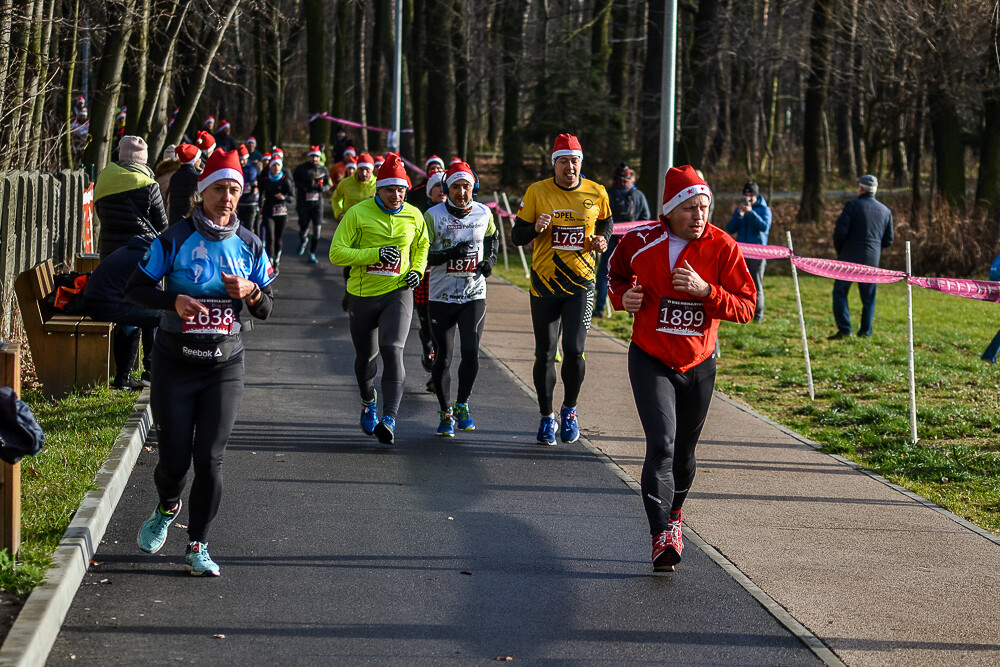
[(802, 96)]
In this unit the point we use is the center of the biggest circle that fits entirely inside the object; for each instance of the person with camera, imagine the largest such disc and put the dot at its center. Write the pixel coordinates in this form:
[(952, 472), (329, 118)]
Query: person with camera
[(384, 242), (751, 223), (463, 250)]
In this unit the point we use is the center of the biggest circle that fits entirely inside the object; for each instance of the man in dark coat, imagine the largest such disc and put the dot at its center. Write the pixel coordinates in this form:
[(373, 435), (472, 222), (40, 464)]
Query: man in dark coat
[(863, 229), (127, 198)]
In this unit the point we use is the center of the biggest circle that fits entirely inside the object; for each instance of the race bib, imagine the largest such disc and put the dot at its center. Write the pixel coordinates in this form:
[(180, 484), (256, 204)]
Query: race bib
[(568, 238), (279, 209), (218, 320), (383, 269), (463, 266), (312, 196), (682, 318)]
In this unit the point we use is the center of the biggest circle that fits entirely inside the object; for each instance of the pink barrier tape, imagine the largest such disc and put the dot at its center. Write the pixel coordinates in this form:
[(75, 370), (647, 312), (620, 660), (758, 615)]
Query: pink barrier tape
[(413, 166), (981, 290), (496, 207), (838, 270), (350, 123), (622, 227), (753, 251)]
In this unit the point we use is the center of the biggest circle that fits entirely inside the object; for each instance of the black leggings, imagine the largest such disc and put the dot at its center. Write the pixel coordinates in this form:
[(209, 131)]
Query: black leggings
[(194, 407), (470, 318), (549, 314), (275, 226), (672, 408), (379, 325), (311, 214)]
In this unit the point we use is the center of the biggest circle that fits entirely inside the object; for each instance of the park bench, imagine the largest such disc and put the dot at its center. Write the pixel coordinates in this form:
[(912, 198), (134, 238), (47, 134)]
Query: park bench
[(67, 350)]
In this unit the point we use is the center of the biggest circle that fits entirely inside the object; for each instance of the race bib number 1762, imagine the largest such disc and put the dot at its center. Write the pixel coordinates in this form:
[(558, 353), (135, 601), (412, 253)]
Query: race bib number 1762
[(568, 238)]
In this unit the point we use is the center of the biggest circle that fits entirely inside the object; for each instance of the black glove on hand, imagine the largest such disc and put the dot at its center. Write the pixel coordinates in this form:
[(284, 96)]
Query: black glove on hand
[(459, 250), (484, 269), (413, 279), (388, 254)]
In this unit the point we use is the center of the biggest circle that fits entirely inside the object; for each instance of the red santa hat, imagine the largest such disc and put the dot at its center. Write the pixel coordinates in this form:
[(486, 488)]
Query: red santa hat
[(365, 160), (434, 159), (187, 153), (205, 142), (437, 178), (314, 150), (208, 119), (350, 151), (379, 159), (680, 184), (459, 171), (223, 124), (455, 160), (566, 145), (350, 162), (251, 140), (243, 151), (392, 172), (221, 165)]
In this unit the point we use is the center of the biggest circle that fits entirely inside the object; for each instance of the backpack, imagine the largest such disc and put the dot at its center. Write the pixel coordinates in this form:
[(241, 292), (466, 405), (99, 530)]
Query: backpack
[(68, 295)]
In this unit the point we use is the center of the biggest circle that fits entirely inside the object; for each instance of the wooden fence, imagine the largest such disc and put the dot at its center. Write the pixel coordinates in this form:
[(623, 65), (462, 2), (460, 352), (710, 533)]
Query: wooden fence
[(41, 216)]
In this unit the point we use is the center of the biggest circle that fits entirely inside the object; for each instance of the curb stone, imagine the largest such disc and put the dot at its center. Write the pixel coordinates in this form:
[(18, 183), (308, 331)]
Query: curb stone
[(36, 627)]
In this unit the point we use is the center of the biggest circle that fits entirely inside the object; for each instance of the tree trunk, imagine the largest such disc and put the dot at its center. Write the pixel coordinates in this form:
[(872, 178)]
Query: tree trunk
[(381, 79), (70, 72), (139, 68), (988, 184), (700, 107), (846, 89), (949, 152), (460, 47), (618, 63), (915, 150), (45, 56), (196, 84), (413, 46), (441, 85), (652, 86), (513, 47), (155, 105), (319, 130), (813, 179), (109, 80), (259, 56)]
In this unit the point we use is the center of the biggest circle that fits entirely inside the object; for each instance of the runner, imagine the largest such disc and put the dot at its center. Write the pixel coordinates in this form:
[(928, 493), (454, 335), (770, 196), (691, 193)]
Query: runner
[(350, 191), (569, 218), (279, 194), (339, 169), (312, 181), (463, 249), (211, 267), (435, 194), (249, 205), (679, 277), (417, 195), (384, 241), (183, 182)]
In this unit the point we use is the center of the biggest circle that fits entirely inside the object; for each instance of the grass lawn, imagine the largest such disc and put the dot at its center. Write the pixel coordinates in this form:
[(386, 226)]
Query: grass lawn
[(861, 409), (80, 431)]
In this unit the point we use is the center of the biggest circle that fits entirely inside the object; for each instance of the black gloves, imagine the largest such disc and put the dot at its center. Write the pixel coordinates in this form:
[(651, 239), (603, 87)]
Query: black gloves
[(457, 251), (484, 268), (413, 279), (388, 254)]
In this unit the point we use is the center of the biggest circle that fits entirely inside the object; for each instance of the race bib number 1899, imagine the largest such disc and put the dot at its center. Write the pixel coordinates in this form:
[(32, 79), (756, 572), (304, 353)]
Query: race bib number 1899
[(682, 318), (218, 320), (568, 238)]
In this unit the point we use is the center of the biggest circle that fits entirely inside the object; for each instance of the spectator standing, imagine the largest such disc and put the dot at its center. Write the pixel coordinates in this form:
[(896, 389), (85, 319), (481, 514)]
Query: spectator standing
[(751, 223), (184, 182), (127, 198), (863, 230), (628, 204)]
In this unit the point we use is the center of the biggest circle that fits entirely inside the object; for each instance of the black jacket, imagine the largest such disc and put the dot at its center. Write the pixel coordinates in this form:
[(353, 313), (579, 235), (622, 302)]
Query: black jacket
[(127, 201), (269, 188), (308, 178), (183, 185), (863, 229), (106, 283)]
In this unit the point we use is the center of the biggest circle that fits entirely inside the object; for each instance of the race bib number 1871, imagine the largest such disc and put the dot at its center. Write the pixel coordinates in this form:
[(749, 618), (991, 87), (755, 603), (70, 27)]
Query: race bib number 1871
[(682, 318), (463, 266)]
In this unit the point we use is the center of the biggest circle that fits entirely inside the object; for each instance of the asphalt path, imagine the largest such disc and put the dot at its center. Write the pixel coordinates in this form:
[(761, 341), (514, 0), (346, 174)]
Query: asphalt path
[(335, 548)]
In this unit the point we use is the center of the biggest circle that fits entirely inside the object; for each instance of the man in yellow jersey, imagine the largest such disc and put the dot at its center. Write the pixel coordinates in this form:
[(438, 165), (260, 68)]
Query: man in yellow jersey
[(356, 188), (569, 219), (384, 242)]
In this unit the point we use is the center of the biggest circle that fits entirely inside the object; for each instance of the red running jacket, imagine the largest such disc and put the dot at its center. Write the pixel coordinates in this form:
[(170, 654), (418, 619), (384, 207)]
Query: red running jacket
[(675, 327)]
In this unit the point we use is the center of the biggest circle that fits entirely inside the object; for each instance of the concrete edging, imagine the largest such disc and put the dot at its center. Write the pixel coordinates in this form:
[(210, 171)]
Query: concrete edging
[(37, 625)]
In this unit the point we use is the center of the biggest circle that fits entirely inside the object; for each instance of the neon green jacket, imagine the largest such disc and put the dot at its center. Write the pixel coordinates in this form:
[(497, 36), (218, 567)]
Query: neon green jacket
[(351, 191), (366, 228)]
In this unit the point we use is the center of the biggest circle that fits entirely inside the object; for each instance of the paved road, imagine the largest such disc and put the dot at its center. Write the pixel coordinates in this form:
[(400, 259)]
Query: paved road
[(334, 548)]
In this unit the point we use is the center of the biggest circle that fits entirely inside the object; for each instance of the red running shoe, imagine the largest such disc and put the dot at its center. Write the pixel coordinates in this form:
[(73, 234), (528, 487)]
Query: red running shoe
[(667, 548)]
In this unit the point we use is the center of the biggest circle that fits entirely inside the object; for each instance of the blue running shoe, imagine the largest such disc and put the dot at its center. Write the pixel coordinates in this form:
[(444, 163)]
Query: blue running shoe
[(312, 258), (385, 431), (547, 431), (198, 562), (463, 420), (153, 532), (569, 430), (369, 416), (446, 429)]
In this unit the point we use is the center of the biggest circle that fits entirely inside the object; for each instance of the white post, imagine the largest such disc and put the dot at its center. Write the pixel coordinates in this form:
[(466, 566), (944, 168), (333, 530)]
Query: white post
[(668, 94), (503, 234), (909, 352), (520, 249), (802, 324)]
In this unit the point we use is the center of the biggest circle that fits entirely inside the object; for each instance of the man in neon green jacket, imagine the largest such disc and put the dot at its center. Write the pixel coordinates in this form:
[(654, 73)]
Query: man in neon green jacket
[(384, 242), (356, 188)]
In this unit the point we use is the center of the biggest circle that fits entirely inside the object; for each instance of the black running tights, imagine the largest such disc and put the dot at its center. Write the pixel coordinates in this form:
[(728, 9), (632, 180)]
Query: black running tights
[(379, 326), (572, 314), (469, 317)]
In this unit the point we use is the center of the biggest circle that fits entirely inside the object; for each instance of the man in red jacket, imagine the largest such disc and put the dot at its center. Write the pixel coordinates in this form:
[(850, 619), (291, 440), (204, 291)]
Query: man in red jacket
[(680, 277)]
